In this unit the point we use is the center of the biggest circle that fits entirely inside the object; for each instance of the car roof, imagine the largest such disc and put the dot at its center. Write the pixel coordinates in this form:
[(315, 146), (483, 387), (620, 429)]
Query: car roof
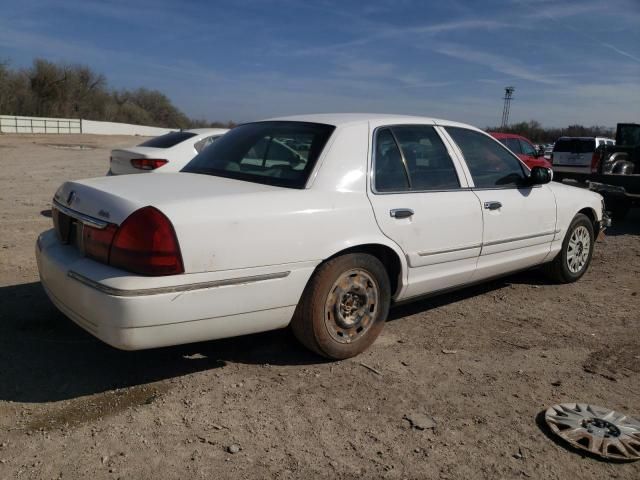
[(506, 135), (341, 119)]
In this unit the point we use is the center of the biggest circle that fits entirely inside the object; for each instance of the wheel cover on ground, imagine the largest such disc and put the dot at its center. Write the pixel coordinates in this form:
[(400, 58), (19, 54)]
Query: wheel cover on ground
[(351, 306), (598, 430)]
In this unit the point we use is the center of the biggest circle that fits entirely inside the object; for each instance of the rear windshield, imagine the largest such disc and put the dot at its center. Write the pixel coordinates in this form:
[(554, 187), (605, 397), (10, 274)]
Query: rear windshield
[(575, 145), (274, 153), (168, 140)]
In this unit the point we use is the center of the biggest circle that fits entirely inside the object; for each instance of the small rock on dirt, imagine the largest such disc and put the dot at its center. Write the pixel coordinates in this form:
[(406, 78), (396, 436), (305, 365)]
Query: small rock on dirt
[(420, 421), (233, 448)]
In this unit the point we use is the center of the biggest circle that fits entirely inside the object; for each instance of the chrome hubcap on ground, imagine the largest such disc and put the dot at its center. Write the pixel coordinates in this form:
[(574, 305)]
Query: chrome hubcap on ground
[(351, 306), (598, 430), (578, 249)]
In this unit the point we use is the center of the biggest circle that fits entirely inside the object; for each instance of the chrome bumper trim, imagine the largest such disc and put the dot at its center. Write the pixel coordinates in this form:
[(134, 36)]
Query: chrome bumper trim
[(118, 292), (81, 217)]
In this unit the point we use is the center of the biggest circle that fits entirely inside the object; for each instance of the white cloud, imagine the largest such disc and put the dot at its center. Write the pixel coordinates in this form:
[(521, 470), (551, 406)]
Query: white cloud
[(496, 63)]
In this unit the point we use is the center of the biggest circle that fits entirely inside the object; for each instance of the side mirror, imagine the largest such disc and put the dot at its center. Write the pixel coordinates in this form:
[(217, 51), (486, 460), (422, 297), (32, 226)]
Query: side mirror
[(540, 176)]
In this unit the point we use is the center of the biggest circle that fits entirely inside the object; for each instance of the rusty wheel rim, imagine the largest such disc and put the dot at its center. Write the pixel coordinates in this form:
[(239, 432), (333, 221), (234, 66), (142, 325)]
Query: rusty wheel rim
[(351, 306), (600, 431)]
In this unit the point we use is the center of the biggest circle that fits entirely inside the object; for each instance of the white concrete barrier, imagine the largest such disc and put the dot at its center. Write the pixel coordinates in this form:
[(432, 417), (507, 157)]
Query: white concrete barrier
[(112, 128), (22, 124)]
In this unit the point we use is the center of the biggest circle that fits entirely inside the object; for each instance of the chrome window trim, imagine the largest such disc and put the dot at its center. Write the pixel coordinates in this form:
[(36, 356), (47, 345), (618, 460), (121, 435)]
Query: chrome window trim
[(119, 292), (81, 217), (372, 177)]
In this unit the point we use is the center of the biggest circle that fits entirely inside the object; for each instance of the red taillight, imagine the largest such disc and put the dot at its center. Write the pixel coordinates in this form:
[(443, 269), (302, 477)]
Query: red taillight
[(595, 162), (147, 163), (146, 243), (97, 242)]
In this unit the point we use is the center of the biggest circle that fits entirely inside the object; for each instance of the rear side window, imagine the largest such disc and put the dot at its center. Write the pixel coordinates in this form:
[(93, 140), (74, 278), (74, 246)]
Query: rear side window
[(390, 173), (412, 157), (168, 140), (490, 164)]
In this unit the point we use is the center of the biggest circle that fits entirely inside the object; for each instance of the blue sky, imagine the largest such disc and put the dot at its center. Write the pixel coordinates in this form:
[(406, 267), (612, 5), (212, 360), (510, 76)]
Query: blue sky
[(570, 61)]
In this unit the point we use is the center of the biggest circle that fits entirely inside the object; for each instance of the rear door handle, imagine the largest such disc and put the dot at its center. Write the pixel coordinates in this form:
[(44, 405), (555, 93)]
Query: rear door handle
[(401, 212), (492, 205)]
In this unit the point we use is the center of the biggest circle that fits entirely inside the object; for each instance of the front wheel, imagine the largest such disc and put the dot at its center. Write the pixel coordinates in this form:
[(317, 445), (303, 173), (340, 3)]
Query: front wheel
[(344, 307), (577, 249)]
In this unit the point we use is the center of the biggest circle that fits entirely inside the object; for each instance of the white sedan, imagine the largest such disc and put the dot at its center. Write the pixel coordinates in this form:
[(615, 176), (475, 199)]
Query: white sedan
[(166, 153), (249, 237)]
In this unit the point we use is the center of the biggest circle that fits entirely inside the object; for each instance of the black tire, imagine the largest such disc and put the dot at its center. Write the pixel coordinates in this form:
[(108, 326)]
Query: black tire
[(559, 269), (321, 328)]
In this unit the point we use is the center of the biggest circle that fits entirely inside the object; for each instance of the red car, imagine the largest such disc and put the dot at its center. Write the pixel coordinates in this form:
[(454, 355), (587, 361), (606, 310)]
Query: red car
[(523, 148)]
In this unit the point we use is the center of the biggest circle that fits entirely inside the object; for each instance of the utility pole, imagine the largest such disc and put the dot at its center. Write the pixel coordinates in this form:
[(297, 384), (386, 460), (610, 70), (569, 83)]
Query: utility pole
[(508, 95)]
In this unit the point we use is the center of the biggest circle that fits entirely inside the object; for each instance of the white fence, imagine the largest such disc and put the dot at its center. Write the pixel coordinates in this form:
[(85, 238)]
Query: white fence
[(10, 124), (18, 124)]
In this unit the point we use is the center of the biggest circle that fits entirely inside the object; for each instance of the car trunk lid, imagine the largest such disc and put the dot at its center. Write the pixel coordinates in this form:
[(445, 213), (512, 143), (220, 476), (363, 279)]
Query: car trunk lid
[(121, 158)]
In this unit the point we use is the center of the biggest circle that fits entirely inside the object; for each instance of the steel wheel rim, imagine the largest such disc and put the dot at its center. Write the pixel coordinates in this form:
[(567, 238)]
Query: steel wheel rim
[(351, 306), (578, 249), (598, 430)]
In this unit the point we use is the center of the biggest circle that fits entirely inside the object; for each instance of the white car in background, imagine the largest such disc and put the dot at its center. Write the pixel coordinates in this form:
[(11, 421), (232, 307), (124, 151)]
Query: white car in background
[(372, 209), (165, 153), (579, 155)]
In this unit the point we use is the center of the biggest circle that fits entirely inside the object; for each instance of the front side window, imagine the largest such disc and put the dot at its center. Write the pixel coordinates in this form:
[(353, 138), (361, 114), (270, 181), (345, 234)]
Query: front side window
[(527, 148), (274, 153), (512, 144), (412, 157), (490, 164)]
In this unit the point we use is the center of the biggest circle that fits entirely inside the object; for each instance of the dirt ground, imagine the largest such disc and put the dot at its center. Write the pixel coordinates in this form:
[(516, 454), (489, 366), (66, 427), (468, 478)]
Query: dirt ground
[(482, 363)]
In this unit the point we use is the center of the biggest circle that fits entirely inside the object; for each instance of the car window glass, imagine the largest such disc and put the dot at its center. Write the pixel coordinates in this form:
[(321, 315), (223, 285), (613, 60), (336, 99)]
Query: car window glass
[(513, 144), (261, 152), (168, 140), (427, 159), (390, 174), (490, 164), (205, 142), (527, 148)]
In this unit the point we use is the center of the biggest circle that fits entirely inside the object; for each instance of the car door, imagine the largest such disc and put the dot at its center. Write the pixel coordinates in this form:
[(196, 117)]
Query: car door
[(519, 221), (421, 201)]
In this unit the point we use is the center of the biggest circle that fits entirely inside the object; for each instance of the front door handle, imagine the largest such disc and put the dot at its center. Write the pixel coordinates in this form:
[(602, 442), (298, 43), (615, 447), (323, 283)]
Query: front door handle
[(401, 212), (492, 205)]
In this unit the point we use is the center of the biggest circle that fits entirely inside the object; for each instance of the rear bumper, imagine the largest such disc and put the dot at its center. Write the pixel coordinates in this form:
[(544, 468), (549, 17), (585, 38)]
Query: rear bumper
[(131, 312)]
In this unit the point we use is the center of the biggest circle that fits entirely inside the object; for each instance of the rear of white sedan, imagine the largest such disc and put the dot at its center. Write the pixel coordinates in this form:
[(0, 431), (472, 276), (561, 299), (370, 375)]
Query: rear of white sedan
[(166, 153), (156, 260)]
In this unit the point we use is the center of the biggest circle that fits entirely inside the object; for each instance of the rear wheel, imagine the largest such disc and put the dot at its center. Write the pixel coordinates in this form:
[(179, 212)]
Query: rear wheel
[(575, 256), (344, 306)]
